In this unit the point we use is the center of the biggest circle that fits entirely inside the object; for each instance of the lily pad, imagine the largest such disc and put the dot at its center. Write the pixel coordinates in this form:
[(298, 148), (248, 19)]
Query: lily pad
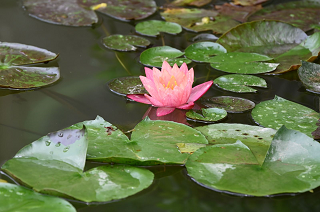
[(52, 166), (123, 10), (302, 14), (208, 115), (154, 27), (248, 2), (204, 37), (127, 85), (198, 20), (189, 147), (125, 42), (18, 198), (155, 56), (197, 3), (292, 165), (229, 103), (279, 111), (13, 75), (239, 83), (309, 74), (203, 51), (64, 12), (236, 12), (288, 45)]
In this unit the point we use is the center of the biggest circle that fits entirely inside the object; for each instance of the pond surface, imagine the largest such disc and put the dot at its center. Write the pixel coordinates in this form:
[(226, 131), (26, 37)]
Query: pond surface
[(82, 94)]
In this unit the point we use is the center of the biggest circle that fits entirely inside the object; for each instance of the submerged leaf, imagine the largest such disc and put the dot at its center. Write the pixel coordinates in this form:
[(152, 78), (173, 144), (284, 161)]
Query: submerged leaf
[(309, 74), (154, 27), (229, 103), (208, 115), (125, 42)]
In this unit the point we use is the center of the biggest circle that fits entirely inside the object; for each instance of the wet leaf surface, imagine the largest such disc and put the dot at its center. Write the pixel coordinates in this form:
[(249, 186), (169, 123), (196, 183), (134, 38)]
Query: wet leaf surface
[(179, 3), (154, 27), (127, 85), (208, 115), (235, 12), (204, 37), (229, 103), (204, 51), (125, 42), (248, 2), (239, 83), (278, 111), (309, 74)]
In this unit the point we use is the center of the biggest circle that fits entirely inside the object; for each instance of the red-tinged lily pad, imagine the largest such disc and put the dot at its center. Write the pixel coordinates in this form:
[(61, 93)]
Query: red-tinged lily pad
[(64, 12), (127, 85), (125, 42), (309, 74), (198, 20), (13, 75), (229, 103), (302, 14), (248, 2), (237, 13), (179, 3)]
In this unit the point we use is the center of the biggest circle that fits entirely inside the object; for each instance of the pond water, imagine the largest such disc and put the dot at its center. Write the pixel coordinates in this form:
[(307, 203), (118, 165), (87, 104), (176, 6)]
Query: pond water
[(82, 94)]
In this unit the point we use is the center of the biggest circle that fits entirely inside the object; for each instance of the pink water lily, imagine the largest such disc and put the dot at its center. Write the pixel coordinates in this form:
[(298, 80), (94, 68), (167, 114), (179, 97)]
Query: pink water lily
[(170, 88)]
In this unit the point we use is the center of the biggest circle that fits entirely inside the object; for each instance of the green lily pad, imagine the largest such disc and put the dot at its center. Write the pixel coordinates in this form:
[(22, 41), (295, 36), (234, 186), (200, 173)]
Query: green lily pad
[(208, 115), (242, 63), (229, 103), (198, 20), (154, 27), (127, 85), (203, 51), (123, 10), (239, 83), (155, 56), (13, 75), (18, 198), (309, 74), (54, 165), (292, 165), (302, 14), (197, 3), (288, 45), (125, 42), (189, 147), (64, 12), (278, 111)]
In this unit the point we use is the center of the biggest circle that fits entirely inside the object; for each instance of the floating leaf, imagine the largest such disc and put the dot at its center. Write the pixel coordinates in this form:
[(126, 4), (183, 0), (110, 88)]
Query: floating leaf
[(229, 103), (12, 55), (278, 111), (125, 42), (292, 165), (154, 27), (18, 198), (242, 63), (127, 85), (208, 115), (248, 2), (189, 147), (235, 12), (239, 83), (198, 20), (156, 55), (197, 3), (203, 51), (205, 37), (309, 74), (302, 14), (65, 12)]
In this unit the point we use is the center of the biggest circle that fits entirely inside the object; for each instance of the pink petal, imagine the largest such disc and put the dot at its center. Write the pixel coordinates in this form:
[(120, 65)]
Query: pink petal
[(184, 68), (165, 66), (187, 106), (154, 101), (149, 73), (199, 90), (150, 87), (139, 98), (162, 111)]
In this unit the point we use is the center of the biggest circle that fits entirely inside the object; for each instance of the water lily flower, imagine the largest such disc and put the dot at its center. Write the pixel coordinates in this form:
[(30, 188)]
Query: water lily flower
[(170, 88)]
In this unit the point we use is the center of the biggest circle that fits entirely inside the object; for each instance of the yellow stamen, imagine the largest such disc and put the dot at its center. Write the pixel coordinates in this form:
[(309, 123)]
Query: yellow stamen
[(171, 83), (98, 6)]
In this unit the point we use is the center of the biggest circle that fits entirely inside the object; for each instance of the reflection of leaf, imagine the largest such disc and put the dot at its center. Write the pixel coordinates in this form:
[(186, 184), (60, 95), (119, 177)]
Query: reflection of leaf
[(203, 51), (229, 103), (127, 85), (208, 115), (309, 74), (154, 27), (124, 42)]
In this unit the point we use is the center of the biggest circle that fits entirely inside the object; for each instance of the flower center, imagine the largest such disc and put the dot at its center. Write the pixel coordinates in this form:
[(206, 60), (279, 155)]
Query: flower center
[(171, 83)]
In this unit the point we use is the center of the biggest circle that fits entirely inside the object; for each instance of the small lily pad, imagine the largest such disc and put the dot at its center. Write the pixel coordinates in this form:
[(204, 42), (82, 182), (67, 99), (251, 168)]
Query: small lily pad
[(239, 83), (203, 51), (279, 111), (127, 85), (125, 42), (242, 63), (208, 115), (205, 37), (155, 56), (154, 27), (229, 103), (309, 74)]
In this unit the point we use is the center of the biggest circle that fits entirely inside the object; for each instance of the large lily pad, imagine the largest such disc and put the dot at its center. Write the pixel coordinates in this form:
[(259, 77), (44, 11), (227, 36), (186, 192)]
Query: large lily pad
[(65, 12), (229, 103), (198, 20), (14, 75), (156, 55), (127, 85), (243, 63), (279, 111), (125, 42), (309, 74), (18, 198), (288, 45), (239, 83), (208, 115), (236, 12), (203, 51), (154, 27), (302, 14), (54, 165), (291, 165)]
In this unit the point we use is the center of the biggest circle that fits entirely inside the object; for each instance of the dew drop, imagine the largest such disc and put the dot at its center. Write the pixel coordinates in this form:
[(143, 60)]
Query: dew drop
[(48, 143), (66, 149), (58, 144), (60, 134)]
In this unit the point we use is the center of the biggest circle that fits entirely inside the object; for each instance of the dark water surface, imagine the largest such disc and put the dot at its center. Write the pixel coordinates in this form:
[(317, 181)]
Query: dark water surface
[(81, 94)]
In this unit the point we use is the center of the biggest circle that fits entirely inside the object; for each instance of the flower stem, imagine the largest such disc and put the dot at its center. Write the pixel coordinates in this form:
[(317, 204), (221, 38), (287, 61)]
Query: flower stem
[(162, 39), (125, 68)]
